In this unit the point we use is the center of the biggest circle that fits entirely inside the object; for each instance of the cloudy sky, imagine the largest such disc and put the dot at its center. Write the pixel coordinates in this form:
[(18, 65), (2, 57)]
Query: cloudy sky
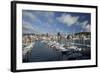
[(53, 22)]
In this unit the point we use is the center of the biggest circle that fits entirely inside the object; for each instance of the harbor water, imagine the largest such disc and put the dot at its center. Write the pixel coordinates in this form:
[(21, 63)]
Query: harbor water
[(41, 52)]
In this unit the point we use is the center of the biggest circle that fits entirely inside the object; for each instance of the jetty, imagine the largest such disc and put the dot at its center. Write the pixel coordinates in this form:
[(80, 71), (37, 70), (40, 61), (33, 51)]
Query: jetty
[(61, 47), (27, 49)]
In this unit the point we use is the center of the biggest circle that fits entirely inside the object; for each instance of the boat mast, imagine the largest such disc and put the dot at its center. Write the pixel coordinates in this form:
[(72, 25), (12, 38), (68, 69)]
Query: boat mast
[(73, 37)]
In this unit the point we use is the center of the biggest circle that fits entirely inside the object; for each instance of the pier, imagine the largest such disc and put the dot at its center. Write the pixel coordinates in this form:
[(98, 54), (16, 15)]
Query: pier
[(26, 51)]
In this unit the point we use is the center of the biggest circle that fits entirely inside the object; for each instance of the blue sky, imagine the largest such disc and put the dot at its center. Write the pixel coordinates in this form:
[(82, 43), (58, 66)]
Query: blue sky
[(53, 22)]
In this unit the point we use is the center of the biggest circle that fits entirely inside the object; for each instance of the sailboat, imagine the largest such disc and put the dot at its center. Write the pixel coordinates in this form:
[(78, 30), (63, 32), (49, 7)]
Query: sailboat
[(73, 47)]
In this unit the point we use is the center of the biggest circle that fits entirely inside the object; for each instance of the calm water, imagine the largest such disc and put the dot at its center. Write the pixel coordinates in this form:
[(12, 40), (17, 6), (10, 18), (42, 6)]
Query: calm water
[(41, 52)]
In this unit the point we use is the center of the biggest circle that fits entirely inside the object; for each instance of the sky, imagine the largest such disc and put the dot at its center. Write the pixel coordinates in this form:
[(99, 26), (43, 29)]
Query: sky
[(52, 22)]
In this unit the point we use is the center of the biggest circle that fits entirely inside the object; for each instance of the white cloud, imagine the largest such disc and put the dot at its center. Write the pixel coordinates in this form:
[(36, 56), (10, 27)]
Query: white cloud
[(83, 24), (88, 28), (29, 15), (27, 27), (34, 17), (47, 16), (68, 19)]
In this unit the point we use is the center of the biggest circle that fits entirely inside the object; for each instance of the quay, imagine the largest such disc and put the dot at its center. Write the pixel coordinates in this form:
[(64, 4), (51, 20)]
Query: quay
[(27, 50)]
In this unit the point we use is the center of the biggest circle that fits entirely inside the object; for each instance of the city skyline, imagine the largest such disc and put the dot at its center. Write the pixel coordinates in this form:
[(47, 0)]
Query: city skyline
[(53, 22)]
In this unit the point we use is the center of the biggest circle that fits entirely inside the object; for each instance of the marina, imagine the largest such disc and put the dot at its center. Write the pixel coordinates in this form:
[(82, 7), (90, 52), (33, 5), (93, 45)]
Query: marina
[(55, 36), (41, 49)]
